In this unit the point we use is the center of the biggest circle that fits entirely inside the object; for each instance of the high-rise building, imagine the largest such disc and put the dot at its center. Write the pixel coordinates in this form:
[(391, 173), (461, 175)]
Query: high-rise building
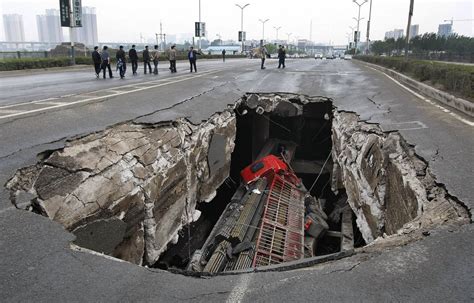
[(445, 30), (14, 29), (87, 34), (395, 34), (49, 27), (414, 31)]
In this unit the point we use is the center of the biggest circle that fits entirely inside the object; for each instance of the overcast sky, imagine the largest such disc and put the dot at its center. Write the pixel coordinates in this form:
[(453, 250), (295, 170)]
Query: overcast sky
[(125, 20)]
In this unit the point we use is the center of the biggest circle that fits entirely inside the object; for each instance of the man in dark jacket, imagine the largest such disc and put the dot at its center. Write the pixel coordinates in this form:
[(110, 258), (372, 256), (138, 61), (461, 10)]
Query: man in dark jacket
[(106, 61), (121, 62), (281, 56), (97, 61), (132, 54), (192, 57), (223, 55), (146, 59)]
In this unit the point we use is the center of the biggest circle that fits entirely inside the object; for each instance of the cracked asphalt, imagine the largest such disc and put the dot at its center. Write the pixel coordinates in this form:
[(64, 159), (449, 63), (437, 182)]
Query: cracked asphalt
[(38, 264)]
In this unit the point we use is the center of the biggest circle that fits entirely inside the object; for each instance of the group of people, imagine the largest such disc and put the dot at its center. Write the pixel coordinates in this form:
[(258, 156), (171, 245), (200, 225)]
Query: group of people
[(102, 60), (281, 56)]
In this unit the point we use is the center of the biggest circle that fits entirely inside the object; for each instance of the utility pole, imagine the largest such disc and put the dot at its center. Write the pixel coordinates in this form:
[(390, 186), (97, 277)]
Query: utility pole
[(71, 35), (277, 29), (410, 14), (161, 36), (242, 24), (358, 22), (263, 28), (200, 27), (157, 42), (368, 28)]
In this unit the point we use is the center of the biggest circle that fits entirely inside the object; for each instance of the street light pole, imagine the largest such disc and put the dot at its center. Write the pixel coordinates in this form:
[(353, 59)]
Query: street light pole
[(263, 28), (242, 23), (200, 27), (368, 28), (358, 21), (277, 29), (410, 14)]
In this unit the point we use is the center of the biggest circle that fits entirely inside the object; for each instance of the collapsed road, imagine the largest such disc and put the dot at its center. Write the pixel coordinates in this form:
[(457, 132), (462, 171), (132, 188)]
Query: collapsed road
[(128, 191), (389, 189)]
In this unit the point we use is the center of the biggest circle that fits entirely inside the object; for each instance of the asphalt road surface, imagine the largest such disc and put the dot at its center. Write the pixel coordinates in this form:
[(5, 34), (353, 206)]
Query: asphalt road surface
[(41, 110)]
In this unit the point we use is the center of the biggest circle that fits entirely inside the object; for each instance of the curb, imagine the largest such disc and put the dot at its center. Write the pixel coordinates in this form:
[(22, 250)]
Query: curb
[(452, 101)]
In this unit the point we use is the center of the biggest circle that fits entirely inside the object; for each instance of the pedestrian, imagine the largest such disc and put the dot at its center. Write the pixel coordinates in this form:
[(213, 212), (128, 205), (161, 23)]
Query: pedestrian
[(97, 61), (132, 54), (281, 56), (106, 61), (223, 55), (155, 54), (263, 54), (192, 56), (121, 62), (172, 57), (146, 59)]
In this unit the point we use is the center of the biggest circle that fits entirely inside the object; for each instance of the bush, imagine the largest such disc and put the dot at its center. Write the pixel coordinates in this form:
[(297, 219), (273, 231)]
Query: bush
[(32, 63), (454, 78), (35, 63)]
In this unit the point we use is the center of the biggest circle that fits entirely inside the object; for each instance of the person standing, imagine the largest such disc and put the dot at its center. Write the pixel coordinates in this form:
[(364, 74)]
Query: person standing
[(155, 54), (192, 56), (172, 57), (223, 55), (121, 62), (97, 61), (263, 54), (281, 56), (106, 61), (146, 59), (132, 54)]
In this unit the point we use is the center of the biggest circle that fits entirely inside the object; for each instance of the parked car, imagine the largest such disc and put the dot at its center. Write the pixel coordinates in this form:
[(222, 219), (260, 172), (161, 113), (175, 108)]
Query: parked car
[(318, 56)]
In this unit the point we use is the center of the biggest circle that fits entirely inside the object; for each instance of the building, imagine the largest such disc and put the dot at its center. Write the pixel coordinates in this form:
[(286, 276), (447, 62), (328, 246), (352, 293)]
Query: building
[(49, 27), (14, 28), (87, 34), (445, 30), (414, 31), (395, 34)]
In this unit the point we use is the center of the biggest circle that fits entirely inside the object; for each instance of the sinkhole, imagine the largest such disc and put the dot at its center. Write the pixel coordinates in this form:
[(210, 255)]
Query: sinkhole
[(276, 180)]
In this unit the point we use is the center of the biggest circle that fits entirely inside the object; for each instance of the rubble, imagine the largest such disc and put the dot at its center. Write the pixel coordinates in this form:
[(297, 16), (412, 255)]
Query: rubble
[(141, 181), (389, 188)]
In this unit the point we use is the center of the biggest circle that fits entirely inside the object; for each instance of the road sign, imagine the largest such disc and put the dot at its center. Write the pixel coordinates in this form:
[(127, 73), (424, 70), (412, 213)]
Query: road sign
[(77, 13), (199, 29), (356, 36), (65, 10), (242, 36)]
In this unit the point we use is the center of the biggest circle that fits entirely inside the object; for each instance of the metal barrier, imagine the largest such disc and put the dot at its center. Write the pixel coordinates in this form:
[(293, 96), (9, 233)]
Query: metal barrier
[(281, 236)]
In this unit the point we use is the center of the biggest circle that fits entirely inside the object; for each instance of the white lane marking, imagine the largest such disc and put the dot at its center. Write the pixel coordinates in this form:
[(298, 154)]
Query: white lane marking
[(132, 85), (408, 125), (444, 109), (10, 111), (104, 97), (47, 103), (238, 292)]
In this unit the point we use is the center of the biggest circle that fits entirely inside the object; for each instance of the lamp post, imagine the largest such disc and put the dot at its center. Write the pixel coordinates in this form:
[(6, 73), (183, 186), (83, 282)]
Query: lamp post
[(368, 28), (242, 23), (358, 20), (263, 28), (277, 29), (200, 28), (410, 14)]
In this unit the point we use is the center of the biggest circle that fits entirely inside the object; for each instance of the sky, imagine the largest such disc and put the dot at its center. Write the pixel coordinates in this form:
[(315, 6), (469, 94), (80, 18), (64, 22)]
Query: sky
[(124, 21)]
